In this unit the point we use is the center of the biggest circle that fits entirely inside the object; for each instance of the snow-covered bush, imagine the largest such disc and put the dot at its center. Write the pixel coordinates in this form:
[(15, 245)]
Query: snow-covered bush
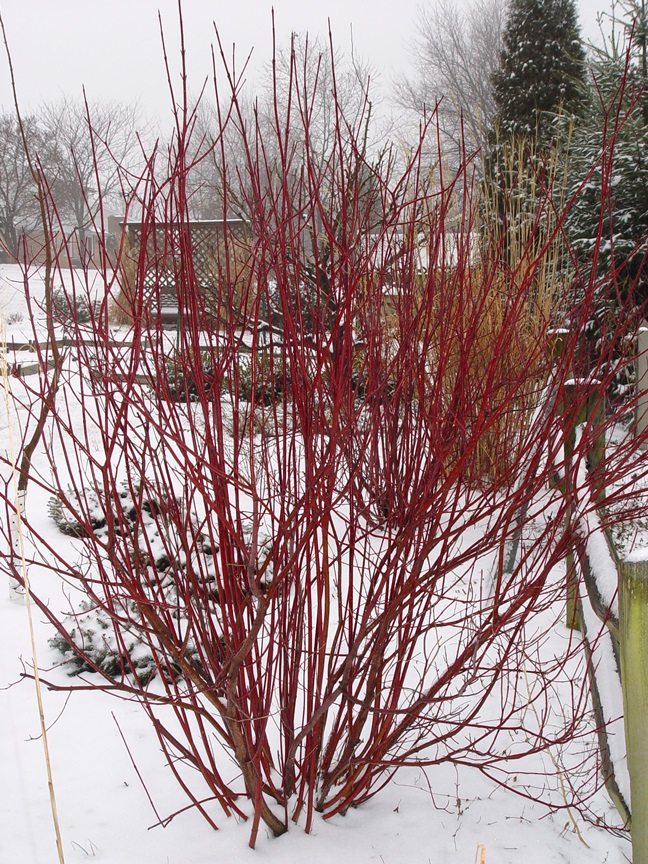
[(93, 630), (71, 308), (90, 640)]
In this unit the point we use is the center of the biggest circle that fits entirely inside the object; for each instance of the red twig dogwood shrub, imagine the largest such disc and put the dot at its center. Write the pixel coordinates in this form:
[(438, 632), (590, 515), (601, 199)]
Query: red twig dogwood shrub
[(325, 502)]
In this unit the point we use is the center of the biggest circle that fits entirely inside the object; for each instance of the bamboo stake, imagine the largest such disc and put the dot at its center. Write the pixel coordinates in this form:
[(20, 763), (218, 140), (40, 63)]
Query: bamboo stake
[(18, 544)]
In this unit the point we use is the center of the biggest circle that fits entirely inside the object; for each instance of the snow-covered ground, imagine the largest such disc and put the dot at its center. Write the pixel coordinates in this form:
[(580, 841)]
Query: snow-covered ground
[(104, 811), (113, 789)]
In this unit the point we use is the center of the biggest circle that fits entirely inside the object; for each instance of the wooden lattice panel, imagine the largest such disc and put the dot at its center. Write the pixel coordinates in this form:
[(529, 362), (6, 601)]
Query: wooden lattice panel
[(165, 246)]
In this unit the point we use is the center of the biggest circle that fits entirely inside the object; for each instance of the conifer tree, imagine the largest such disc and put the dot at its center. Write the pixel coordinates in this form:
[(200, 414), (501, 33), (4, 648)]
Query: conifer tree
[(607, 226), (542, 68), (612, 230)]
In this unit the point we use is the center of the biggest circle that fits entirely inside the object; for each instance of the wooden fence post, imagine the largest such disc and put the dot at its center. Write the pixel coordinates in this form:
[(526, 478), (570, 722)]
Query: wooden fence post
[(596, 410), (633, 630), (571, 612), (641, 374), (591, 413)]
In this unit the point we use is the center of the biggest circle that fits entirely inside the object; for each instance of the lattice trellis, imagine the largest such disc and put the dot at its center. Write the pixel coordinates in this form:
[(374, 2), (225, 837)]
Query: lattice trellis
[(167, 243)]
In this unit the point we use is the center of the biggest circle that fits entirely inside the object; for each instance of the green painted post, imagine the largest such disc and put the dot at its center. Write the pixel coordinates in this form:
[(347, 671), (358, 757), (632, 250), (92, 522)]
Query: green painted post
[(633, 630)]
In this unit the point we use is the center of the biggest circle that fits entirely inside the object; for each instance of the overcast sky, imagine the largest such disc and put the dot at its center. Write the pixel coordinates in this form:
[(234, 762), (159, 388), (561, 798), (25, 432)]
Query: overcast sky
[(113, 47)]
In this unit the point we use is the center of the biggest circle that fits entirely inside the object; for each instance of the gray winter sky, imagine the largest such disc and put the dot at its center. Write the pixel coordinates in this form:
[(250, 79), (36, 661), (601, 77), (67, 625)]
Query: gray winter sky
[(113, 47)]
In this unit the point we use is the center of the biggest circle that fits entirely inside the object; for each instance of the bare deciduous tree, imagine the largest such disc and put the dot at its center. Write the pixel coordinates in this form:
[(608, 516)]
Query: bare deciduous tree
[(19, 210), (210, 147), (455, 55), (91, 142), (301, 84)]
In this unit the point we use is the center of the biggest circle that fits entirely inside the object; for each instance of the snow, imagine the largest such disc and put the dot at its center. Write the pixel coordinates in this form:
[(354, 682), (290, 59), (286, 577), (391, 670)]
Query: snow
[(611, 695), (104, 811), (637, 555), (102, 794), (604, 568)]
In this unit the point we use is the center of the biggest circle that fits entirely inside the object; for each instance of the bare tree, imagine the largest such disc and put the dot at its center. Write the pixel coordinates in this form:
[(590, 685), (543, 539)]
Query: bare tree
[(309, 80), (455, 55), (215, 140), (299, 89), (19, 209), (91, 141)]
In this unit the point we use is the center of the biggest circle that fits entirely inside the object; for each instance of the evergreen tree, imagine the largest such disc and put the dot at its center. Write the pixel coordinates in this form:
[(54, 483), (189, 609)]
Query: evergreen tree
[(610, 214), (542, 68), (607, 226)]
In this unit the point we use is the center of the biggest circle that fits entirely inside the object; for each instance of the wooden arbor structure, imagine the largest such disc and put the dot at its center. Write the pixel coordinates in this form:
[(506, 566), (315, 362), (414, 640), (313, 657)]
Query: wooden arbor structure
[(159, 268)]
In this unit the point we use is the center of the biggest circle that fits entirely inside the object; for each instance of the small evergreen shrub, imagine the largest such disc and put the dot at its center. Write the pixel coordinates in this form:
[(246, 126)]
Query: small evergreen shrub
[(69, 309), (93, 631), (264, 379), (126, 650), (185, 383)]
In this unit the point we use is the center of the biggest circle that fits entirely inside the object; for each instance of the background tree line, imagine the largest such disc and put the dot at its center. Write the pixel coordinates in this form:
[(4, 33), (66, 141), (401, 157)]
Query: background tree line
[(491, 72), (516, 82), (77, 147)]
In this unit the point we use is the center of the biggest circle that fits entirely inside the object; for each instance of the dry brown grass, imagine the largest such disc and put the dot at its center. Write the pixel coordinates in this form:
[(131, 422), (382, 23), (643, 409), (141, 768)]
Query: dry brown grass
[(494, 311)]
